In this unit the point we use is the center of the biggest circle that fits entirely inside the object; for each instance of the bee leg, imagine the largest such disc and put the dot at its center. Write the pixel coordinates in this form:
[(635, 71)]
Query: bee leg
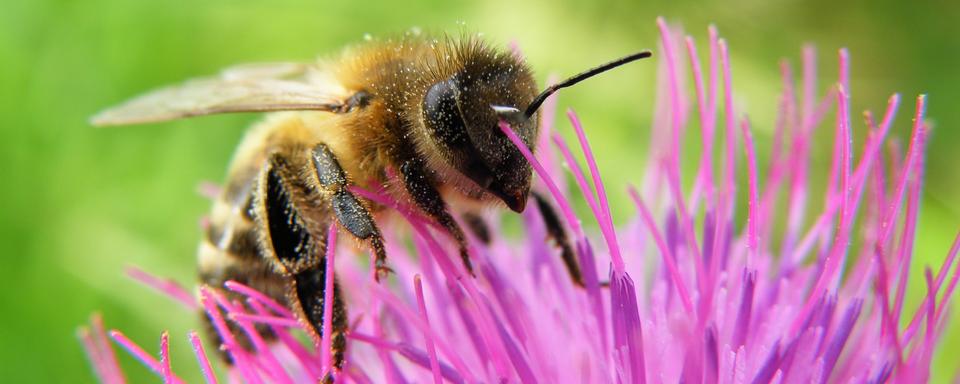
[(428, 199), (347, 208), (478, 226), (556, 231), (293, 216)]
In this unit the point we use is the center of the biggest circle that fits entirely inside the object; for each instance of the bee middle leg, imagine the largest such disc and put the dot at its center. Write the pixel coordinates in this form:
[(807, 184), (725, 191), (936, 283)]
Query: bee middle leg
[(420, 187), (556, 231), (347, 208)]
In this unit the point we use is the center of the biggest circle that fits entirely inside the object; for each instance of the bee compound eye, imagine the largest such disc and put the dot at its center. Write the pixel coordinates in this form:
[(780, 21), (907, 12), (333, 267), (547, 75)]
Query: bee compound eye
[(442, 114)]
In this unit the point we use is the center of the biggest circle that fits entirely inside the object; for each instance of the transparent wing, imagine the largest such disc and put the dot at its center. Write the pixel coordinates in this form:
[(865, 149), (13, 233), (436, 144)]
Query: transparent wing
[(246, 88)]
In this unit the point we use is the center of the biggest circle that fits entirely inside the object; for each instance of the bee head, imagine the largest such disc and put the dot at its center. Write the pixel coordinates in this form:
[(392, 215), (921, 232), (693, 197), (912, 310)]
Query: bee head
[(459, 120), (462, 108)]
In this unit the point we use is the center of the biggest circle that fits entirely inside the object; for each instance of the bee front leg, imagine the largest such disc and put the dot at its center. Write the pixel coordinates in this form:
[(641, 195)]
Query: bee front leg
[(347, 208), (428, 199)]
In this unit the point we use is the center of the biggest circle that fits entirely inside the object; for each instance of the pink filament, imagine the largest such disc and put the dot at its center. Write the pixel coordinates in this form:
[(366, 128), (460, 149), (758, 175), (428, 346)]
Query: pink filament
[(202, 359), (166, 371), (665, 253), (259, 297), (606, 222), (753, 240), (565, 207), (166, 286), (326, 342), (230, 345), (140, 354), (108, 360), (431, 349)]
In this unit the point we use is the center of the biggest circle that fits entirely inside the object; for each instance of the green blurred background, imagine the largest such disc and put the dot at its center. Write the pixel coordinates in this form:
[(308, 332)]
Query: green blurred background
[(81, 203)]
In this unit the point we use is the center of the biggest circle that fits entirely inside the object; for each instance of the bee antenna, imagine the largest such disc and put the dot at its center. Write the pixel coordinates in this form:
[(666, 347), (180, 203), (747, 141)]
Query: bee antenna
[(538, 101)]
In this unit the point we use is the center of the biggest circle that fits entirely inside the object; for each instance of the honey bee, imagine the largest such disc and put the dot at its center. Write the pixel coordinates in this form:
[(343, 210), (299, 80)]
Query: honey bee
[(422, 108)]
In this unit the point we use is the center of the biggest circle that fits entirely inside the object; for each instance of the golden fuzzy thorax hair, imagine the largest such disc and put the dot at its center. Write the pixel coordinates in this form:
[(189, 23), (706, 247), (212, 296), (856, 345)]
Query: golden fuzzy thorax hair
[(470, 155)]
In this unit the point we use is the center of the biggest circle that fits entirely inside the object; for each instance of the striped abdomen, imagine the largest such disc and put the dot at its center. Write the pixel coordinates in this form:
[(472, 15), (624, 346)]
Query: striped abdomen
[(229, 250)]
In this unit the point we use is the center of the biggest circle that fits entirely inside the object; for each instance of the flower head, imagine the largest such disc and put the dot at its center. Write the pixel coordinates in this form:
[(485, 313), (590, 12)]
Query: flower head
[(681, 293)]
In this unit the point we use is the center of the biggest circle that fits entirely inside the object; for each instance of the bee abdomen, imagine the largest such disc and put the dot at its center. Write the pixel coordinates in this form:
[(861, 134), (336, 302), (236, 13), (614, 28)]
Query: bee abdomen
[(237, 239), (230, 248), (229, 251)]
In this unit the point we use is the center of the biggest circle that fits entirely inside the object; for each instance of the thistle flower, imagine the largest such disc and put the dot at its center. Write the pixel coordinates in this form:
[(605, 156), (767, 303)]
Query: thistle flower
[(684, 296)]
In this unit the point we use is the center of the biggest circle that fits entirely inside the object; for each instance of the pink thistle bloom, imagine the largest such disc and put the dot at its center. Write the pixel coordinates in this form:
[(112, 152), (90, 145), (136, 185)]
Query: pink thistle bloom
[(690, 297)]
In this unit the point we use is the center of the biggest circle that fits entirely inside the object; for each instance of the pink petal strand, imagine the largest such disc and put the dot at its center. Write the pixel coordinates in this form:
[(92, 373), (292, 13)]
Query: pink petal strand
[(205, 366), (165, 286)]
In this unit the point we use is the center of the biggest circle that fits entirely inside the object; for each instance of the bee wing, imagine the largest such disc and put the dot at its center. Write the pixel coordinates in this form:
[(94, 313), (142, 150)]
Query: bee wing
[(245, 88)]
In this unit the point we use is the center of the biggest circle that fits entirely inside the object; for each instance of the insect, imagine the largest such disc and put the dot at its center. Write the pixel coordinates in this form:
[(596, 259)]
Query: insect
[(424, 109)]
